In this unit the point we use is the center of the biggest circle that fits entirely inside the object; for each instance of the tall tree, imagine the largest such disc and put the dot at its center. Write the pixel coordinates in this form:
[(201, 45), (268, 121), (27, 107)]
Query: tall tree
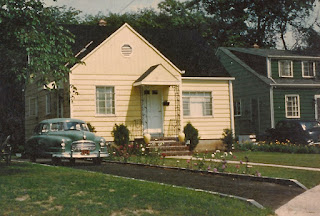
[(33, 46), (256, 21)]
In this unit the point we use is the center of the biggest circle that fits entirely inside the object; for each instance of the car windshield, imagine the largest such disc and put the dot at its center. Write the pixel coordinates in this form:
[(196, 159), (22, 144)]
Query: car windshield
[(309, 125), (76, 126)]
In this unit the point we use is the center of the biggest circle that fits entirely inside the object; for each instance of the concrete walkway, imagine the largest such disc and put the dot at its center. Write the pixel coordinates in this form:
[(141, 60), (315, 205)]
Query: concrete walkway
[(305, 204)]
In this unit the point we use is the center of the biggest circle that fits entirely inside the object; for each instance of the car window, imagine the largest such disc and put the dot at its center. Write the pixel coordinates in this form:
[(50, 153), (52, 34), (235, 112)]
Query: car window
[(57, 126), (76, 126), (309, 125), (44, 128)]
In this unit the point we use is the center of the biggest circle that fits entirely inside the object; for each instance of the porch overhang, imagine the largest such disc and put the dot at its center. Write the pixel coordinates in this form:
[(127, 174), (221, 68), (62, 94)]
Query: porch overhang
[(157, 75)]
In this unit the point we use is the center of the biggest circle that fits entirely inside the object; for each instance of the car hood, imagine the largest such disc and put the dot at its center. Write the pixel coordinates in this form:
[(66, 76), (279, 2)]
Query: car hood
[(75, 135)]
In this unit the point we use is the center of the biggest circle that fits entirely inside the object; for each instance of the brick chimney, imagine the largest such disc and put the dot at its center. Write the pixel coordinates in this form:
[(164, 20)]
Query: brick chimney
[(102, 22)]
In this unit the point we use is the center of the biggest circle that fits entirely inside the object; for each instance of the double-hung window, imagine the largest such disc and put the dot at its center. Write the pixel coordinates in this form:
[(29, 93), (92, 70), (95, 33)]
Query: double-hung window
[(197, 104), (308, 69), (105, 100), (285, 68), (292, 106)]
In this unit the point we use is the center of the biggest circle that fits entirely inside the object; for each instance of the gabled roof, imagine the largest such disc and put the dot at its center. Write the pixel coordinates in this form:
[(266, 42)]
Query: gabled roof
[(274, 53), (157, 75), (185, 48), (255, 61)]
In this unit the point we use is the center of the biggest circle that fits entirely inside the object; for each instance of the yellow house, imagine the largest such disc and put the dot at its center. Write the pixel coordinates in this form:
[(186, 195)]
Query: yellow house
[(126, 80)]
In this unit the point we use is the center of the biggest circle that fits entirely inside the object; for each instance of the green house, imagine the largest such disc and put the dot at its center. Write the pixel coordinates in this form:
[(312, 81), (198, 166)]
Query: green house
[(271, 85)]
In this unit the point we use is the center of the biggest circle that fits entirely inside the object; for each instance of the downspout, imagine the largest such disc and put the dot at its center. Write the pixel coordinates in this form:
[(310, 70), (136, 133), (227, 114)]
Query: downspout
[(231, 108), (271, 92), (272, 107)]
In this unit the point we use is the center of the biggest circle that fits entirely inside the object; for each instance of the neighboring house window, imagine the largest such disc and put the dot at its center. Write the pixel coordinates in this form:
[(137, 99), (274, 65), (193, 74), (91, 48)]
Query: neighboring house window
[(48, 103), (237, 107), (197, 104), (292, 106), (33, 106), (308, 69), (105, 100), (285, 68)]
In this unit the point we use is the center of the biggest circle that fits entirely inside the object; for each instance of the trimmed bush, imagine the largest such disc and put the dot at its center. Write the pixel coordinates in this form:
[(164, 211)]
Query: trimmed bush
[(121, 135), (227, 139), (192, 135), (279, 147)]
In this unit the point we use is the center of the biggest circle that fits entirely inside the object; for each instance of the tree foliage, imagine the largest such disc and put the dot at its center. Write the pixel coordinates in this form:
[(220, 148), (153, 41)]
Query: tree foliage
[(33, 44), (256, 21)]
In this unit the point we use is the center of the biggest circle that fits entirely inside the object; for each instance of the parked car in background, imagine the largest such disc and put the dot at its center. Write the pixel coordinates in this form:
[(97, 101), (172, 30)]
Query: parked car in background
[(65, 138), (305, 132)]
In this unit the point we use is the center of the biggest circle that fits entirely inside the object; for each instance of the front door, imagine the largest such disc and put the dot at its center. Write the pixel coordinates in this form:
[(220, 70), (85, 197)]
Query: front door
[(153, 116), (317, 107)]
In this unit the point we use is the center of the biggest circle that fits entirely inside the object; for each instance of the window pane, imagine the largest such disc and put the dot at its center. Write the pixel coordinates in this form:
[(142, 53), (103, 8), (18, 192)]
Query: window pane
[(105, 100), (292, 105), (197, 104)]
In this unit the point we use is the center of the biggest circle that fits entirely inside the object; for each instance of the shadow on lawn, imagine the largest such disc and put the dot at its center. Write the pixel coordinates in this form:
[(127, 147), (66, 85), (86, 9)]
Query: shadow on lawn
[(12, 168)]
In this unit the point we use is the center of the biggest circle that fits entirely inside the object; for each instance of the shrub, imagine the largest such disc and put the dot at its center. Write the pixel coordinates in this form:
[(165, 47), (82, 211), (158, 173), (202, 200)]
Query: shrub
[(192, 135), (227, 139), (120, 134), (278, 147)]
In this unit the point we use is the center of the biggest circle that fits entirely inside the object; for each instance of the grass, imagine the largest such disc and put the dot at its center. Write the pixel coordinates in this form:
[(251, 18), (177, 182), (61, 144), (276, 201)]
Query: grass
[(33, 189), (304, 160)]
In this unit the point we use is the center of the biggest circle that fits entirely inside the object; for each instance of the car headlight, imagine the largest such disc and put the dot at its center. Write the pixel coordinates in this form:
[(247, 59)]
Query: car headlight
[(102, 142), (63, 144)]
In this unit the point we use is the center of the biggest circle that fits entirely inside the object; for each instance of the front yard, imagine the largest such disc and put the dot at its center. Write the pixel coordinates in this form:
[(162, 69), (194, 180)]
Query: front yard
[(33, 189)]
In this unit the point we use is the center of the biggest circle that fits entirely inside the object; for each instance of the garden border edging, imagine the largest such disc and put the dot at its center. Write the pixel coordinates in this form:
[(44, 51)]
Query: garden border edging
[(281, 181)]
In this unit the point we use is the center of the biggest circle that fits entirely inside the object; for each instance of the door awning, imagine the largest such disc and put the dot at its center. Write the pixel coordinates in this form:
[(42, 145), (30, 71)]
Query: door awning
[(157, 75)]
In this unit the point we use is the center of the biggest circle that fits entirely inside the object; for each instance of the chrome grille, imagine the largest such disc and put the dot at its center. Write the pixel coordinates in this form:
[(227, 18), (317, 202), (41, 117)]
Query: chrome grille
[(83, 145)]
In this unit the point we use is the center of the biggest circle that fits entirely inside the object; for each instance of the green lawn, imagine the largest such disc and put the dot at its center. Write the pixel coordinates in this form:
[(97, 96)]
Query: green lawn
[(304, 160), (33, 189)]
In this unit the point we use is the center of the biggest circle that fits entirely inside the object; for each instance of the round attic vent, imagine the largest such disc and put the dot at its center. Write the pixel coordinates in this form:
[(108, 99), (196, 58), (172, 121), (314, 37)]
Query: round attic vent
[(126, 50)]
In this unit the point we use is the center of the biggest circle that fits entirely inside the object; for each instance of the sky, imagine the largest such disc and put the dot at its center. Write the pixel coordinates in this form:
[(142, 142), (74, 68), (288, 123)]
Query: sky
[(105, 6)]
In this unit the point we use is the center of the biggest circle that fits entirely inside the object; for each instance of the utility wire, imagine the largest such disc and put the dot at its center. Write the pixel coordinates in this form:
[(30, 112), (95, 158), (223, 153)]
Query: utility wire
[(126, 6)]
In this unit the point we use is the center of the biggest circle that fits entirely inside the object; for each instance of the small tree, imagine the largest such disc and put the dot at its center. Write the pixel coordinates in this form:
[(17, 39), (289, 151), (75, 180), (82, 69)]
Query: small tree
[(227, 138), (121, 135), (192, 135)]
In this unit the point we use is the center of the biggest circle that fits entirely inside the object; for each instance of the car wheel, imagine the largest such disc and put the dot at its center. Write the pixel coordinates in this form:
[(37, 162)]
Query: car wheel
[(33, 158), (56, 161), (96, 161), (72, 161)]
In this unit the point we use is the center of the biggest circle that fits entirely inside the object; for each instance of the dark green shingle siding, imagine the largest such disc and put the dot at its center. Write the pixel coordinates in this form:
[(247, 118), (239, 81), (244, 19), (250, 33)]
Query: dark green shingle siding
[(306, 97), (248, 88)]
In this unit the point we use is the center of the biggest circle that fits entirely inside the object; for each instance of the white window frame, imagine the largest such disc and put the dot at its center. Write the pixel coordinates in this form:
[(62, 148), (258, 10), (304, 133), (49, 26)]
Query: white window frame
[(313, 68), (113, 113), (297, 109), (237, 107), (48, 103), (191, 114), (33, 107), (280, 62)]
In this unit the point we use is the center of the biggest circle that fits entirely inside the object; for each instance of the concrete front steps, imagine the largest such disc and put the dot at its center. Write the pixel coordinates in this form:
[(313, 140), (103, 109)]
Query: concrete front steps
[(168, 146)]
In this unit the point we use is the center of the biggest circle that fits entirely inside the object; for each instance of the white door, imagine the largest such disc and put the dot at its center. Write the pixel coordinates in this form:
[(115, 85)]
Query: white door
[(317, 107), (153, 112)]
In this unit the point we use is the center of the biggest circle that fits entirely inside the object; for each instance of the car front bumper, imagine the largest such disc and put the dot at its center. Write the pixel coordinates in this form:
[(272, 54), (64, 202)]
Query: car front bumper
[(79, 155)]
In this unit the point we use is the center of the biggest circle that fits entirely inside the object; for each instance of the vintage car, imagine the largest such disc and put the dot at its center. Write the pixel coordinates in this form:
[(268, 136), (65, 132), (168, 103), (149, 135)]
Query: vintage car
[(65, 138), (305, 132)]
